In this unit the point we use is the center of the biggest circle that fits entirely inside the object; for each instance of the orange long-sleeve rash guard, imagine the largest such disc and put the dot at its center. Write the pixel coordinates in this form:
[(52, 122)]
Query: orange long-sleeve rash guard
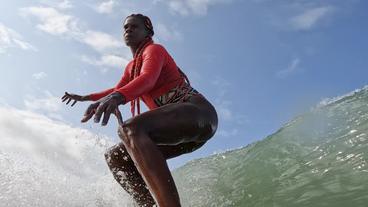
[(158, 75)]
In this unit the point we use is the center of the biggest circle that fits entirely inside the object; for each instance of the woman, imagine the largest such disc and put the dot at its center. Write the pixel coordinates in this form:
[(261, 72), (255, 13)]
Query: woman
[(180, 119)]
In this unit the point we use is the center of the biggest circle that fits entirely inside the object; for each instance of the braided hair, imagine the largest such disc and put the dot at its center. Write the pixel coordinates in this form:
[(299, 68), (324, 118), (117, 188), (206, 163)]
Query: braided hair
[(136, 70), (138, 60), (146, 21)]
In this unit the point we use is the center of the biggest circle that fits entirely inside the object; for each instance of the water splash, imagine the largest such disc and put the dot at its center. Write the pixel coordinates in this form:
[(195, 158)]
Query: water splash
[(47, 163)]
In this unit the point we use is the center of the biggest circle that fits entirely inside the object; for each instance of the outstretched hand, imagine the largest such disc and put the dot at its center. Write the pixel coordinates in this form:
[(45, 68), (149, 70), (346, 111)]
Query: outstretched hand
[(69, 97), (106, 107)]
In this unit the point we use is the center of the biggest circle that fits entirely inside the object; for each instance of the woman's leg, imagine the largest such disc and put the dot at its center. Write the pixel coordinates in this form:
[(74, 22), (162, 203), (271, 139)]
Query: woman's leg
[(168, 125), (153, 167), (127, 175)]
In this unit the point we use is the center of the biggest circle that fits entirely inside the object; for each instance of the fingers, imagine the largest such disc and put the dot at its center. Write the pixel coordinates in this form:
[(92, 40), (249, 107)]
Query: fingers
[(100, 109), (104, 109), (90, 109), (88, 116), (70, 97), (75, 101), (66, 95), (109, 110), (67, 98), (68, 101), (90, 112), (119, 116)]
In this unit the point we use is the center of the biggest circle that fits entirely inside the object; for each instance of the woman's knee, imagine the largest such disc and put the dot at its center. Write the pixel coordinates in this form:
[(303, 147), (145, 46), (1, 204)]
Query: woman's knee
[(130, 133), (117, 156)]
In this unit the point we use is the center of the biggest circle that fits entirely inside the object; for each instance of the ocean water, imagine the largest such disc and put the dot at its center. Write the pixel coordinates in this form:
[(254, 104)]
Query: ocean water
[(317, 159)]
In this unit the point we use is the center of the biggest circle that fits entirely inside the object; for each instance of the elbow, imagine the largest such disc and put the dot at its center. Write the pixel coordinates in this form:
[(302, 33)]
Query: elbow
[(148, 84)]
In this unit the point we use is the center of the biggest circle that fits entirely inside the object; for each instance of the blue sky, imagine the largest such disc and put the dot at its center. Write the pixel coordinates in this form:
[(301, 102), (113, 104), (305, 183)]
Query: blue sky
[(260, 62)]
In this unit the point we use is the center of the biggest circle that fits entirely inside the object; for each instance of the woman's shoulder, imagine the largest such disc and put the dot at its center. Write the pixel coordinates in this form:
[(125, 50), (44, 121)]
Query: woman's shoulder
[(155, 48), (129, 66)]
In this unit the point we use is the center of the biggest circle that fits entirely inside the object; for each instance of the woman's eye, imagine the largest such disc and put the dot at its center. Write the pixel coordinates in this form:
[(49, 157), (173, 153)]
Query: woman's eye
[(130, 26)]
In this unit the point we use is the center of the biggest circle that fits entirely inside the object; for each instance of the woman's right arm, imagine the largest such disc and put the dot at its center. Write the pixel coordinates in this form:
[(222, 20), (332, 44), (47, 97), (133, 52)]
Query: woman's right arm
[(123, 81), (70, 96)]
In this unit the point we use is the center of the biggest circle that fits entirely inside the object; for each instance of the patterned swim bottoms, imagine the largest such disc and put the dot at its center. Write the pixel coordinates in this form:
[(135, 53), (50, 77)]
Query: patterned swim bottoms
[(177, 94)]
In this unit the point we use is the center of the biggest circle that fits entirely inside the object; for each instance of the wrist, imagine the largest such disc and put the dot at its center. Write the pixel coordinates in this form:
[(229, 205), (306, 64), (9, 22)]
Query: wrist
[(120, 99), (86, 98)]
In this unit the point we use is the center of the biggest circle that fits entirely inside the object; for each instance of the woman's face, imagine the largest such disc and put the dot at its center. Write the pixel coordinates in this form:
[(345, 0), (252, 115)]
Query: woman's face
[(134, 31)]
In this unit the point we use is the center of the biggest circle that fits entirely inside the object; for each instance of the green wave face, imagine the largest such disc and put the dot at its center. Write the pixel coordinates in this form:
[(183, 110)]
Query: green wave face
[(318, 159)]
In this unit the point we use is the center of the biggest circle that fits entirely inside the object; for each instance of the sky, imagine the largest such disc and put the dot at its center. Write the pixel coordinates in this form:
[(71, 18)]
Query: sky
[(260, 62)]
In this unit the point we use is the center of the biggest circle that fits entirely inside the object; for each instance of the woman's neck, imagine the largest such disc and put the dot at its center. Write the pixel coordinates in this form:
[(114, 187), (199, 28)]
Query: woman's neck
[(133, 50)]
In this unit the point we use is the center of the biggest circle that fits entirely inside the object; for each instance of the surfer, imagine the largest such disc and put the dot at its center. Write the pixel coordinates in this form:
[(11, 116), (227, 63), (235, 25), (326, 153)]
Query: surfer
[(180, 119)]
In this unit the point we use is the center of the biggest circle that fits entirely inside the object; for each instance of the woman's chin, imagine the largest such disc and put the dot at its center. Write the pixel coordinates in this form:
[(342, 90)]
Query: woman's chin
[(127, 43), (130, 43)]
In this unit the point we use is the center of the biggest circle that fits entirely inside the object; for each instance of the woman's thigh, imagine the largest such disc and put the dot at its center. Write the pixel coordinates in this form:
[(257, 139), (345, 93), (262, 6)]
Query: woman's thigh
[(176, 123), (117, 155), (171, 151)]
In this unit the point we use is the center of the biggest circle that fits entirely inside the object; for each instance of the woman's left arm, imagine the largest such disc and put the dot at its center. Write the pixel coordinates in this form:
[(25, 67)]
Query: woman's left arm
[(153, 61), (123, 81)]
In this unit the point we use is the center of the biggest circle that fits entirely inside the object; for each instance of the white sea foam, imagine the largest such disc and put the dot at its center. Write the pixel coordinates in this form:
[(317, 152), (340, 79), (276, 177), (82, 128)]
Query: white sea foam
[(328, 101), (49, 163)]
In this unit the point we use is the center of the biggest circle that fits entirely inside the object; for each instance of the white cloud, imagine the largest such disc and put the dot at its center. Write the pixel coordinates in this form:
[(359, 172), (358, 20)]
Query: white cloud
[(10, 38), (3, 102), (197, 7), (45, 161), (57, 23), (52, 21), (100, 41), (310, 17), (48, 104), (39, 75), (224, 112), (178, 7), (65, 5), (222, 86), (231, 121), (223, 105), (227, 133), (60, 4), (166, 34), (106, 7), (293, 67), (108, 60)]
